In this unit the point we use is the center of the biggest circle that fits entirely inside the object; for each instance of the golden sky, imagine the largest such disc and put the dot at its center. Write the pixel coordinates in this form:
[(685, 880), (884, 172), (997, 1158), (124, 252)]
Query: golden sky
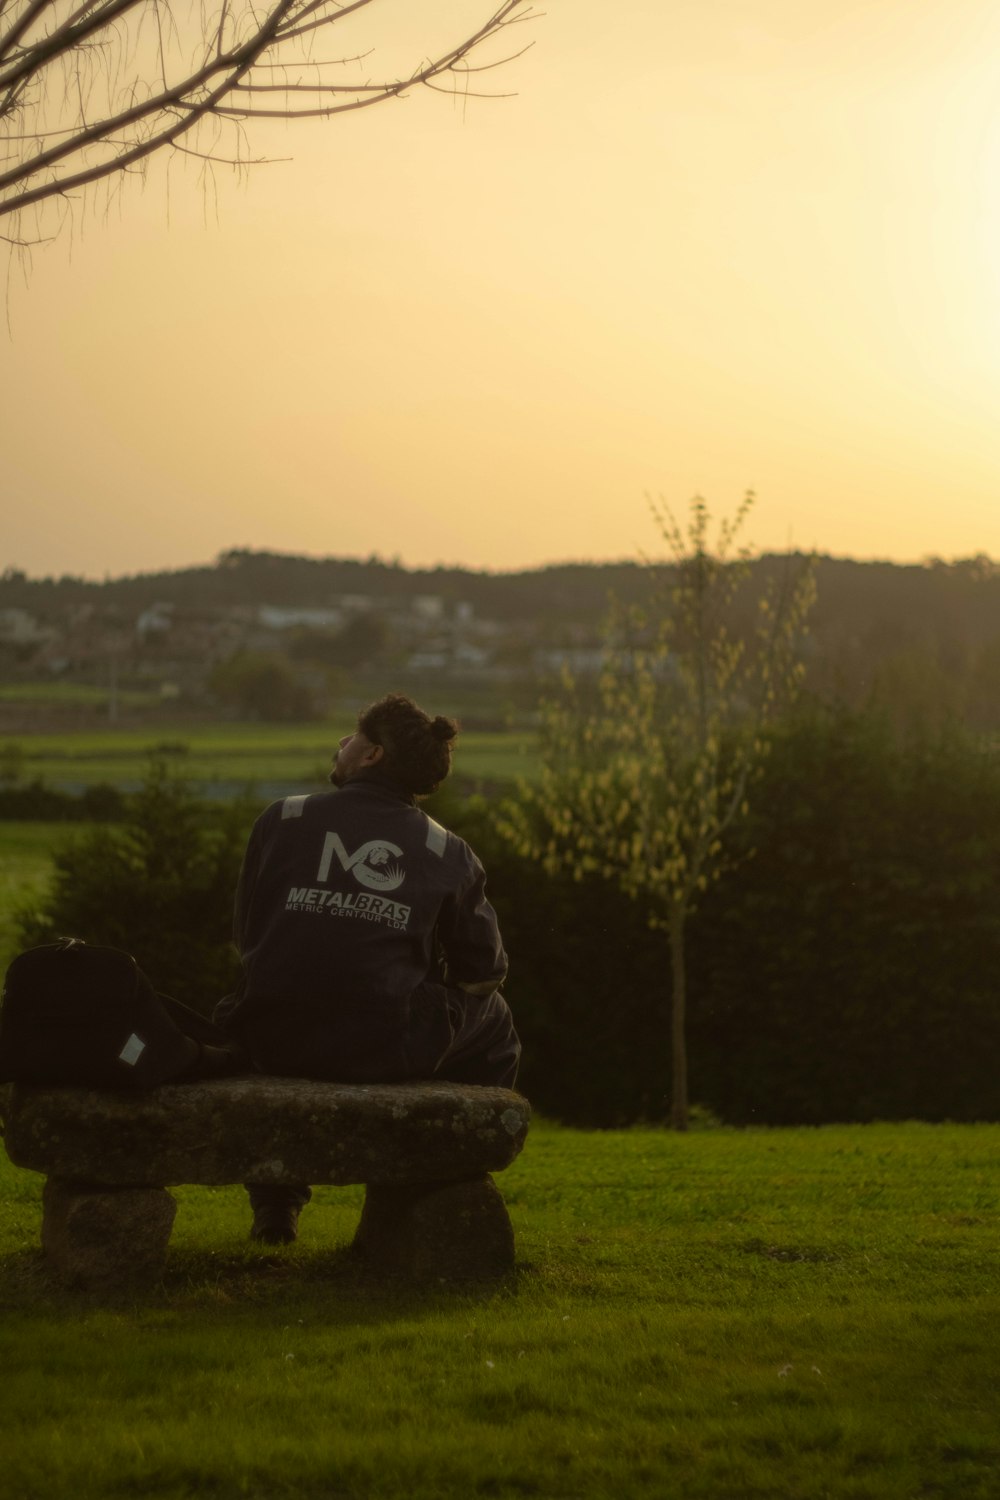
[(709, 246)]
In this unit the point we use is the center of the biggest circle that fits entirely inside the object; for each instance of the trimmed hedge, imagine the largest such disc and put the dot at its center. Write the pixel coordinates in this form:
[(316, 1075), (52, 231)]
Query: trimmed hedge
[(847, 969), (851, 969)]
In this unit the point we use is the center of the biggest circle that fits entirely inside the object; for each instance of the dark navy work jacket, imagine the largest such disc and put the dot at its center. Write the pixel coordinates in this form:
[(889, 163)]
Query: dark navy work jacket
[(353, 906)]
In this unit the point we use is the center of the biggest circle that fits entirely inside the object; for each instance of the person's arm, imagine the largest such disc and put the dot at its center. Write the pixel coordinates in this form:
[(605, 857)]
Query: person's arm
[(469, 934), (245, 885), (229, 1005)]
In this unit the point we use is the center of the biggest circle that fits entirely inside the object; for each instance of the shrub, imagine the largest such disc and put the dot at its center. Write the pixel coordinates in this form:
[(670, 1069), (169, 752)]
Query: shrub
[(35, 802), (160, 885)]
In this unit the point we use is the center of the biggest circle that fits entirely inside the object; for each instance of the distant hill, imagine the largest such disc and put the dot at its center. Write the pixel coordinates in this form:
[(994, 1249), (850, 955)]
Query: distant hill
[(241, 577), (959, 599)]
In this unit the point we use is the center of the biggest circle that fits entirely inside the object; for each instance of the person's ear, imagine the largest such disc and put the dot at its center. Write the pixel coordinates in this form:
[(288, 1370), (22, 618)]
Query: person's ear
[(373, 755)]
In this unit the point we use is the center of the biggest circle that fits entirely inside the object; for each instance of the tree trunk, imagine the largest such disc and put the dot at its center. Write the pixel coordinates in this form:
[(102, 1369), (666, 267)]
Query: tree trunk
[(678, 1019)]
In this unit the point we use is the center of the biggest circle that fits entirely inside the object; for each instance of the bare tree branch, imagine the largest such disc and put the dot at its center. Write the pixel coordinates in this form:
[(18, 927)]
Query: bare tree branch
[(232, 65), (89, 90), (62, 42), (23, 25), (231, 161)]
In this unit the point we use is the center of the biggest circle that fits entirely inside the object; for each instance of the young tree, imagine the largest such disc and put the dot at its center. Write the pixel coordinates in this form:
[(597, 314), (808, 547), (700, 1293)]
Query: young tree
[(646, 772), (92, 88)]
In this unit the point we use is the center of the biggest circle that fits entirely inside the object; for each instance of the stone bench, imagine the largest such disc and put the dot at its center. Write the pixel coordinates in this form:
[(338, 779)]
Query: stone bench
[(424, 1152)]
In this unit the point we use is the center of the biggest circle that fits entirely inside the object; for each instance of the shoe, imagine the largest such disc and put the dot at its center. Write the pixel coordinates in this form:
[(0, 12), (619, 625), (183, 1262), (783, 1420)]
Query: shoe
[(275, 1225)]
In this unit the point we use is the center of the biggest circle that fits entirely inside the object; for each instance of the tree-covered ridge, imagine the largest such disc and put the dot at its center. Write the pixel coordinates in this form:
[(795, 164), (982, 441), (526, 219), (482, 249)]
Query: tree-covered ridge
[(245, 577), (962, 596)]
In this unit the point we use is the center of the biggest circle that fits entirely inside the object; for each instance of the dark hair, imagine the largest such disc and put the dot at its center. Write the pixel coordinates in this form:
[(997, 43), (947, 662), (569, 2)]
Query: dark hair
[(416, 748)]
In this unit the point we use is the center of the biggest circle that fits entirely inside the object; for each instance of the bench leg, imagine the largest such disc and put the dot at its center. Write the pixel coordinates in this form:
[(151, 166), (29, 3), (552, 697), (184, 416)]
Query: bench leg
[(102, 1237), (450, 1231)]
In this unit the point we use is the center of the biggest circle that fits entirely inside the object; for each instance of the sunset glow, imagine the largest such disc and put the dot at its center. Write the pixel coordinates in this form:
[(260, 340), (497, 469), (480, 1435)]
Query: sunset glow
[(704, 249)]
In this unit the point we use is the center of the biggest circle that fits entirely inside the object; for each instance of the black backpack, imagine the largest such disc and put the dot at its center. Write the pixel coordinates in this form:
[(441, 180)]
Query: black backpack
[(73, 1015)]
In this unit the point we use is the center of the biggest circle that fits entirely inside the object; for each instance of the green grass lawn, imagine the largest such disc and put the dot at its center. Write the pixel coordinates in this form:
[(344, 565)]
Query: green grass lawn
[(243, 753), (755, 1315)]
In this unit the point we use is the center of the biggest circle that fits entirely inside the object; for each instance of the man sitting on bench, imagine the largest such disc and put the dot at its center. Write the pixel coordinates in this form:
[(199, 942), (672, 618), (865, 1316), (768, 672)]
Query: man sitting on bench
[(370, 952)]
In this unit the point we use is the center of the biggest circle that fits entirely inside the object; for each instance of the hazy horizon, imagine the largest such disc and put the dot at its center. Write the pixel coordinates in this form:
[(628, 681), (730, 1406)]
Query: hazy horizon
[(408, 567)]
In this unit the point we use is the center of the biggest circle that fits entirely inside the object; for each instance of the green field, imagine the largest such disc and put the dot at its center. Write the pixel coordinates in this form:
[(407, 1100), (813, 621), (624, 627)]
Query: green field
[(756, 1315), (25, 862), (241, 754), (76, 695)]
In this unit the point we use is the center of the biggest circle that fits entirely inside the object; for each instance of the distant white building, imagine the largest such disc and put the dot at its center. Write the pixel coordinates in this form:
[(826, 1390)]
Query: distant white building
[(18, 628), (428, 606), (157, 619), (425, 661), (583, 661), (283, 617), (588, 661), (468, 657)]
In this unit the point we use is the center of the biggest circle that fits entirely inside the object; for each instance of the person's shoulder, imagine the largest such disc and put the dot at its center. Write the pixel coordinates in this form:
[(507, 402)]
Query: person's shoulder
[(297, 806), (449, 846), (437, 837)]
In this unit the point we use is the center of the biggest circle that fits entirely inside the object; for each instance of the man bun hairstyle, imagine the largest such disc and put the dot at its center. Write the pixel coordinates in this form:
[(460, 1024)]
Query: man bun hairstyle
[(416, 749), (443, 729)]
